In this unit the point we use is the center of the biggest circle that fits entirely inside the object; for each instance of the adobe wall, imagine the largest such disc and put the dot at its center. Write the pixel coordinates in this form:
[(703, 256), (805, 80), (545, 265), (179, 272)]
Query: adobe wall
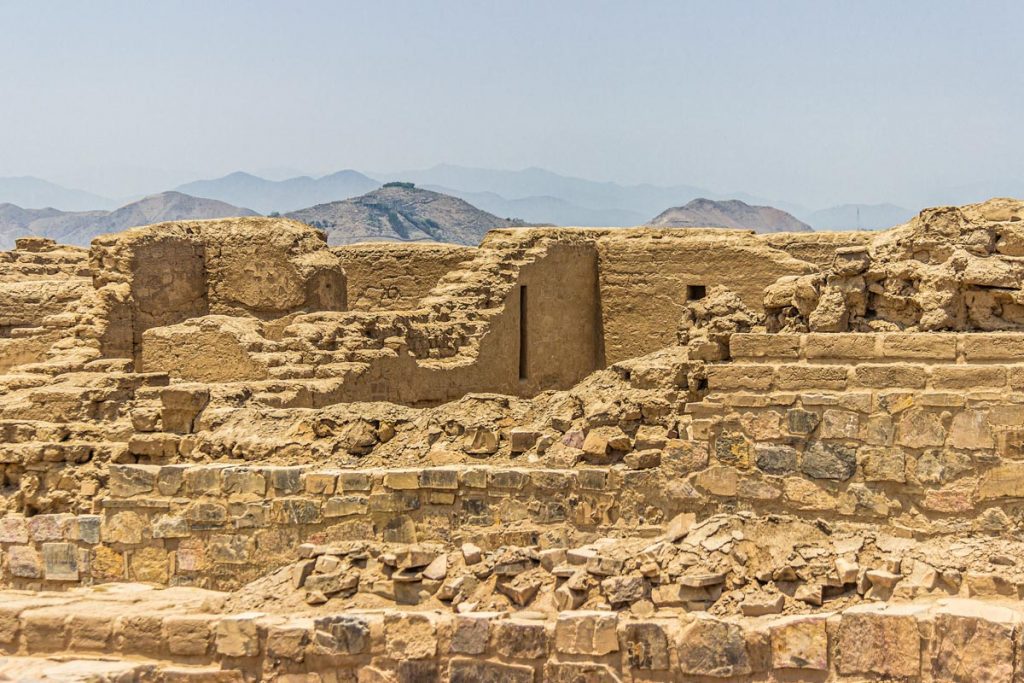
[(818, 248), (645, 275), (250, 267), (394, 276), (560, 332), (39, 282)]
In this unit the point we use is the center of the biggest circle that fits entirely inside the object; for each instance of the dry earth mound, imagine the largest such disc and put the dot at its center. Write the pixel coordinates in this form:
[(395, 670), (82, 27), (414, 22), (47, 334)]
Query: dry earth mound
[(730, 213)]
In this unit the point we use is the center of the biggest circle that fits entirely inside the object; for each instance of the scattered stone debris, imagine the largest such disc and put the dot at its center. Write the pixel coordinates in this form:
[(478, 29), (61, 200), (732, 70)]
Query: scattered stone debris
[(230, 452)]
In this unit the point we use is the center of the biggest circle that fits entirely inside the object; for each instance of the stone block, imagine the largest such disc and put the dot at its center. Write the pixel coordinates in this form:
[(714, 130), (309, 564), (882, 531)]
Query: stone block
[(578, 672), (13, 529), (922, 345), (879, 641), (60, 561), (477, 671), (86, 528), (839, 424), (974, 641), (750, 345), (829, 461), (644, 645), (24, 562), (471, 632), (710, 647), (971, 430), (889, 375), (295, 511), (243, 482), (49, 527), (189, 634), (522, 638), (737, 377), (284, 481), (586, 633), (1003, 481), (410, 636), (289, 640), (131, 480), (343, 634), (802, 421), (968, 377), (124, 527), (856, 347), (345, 506), (320, 483), (800, 377), (992, 346), (180, 407), (170, 479), (354, 481), (139, 634), (920, 428), (402, 480), (799, 643), (775, 459), (883, 464), (439, 478), (237, 635)]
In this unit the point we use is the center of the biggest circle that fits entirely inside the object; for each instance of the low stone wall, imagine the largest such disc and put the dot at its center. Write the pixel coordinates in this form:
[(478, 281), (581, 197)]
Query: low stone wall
[(889, 347), (222, 525), (947, 640)]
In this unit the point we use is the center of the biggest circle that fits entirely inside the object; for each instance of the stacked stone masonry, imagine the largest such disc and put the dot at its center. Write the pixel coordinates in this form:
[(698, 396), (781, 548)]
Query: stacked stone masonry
[(229, 452)]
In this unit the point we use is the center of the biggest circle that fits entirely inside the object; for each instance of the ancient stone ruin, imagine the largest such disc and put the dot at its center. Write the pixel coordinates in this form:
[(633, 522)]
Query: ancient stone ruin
[(230, 452)]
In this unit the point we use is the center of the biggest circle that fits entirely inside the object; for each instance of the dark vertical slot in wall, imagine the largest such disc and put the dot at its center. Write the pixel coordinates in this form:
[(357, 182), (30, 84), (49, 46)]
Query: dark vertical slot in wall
[(523, 352)]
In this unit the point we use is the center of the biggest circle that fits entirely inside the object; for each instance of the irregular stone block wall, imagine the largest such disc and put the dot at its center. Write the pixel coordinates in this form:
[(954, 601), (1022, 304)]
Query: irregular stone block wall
[(219, 526), (952, 640)]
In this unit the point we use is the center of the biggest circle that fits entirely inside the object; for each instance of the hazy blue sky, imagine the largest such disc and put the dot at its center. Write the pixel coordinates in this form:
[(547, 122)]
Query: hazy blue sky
[(814, 102)]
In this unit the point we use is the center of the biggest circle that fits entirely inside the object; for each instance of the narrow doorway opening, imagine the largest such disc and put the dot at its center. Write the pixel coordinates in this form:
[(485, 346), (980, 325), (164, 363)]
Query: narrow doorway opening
[(523, 346)]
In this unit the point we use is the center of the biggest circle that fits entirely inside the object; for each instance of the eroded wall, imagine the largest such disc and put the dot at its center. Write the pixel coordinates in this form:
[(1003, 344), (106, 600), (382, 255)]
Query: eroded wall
[(646, 276), (391, 276), (818, 248)]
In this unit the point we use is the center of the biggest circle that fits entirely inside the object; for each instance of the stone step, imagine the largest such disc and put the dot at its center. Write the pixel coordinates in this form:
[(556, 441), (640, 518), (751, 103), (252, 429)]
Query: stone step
[(930, 347), (71, 668), (866, 641), (803, 376)]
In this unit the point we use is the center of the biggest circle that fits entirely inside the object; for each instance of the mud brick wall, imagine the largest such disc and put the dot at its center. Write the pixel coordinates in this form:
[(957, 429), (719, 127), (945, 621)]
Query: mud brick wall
[(394, 276)]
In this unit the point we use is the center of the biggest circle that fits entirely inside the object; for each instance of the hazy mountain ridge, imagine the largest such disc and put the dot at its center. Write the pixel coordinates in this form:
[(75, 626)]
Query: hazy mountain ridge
[(400, 211), (546, 209), (266, 196), (35, 193), (730, 213), (81, 226)]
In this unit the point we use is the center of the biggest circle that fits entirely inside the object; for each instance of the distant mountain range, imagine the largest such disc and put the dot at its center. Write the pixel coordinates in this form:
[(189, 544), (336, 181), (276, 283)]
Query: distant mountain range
[(730, 213), (80, 227), (38, 194), (401, 211), (534, 195), (266, 196)]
